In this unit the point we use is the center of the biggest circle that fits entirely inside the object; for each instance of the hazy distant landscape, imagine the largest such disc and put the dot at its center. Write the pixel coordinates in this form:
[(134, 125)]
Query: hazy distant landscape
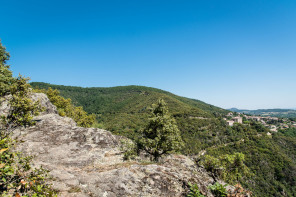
[(281, 113)]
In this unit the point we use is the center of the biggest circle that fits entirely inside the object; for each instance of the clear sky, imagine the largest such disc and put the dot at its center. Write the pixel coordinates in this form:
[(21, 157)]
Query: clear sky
[(229, 53)]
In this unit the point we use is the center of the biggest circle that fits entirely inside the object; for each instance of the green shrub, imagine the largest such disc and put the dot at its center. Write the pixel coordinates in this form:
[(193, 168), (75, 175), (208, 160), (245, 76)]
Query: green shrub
[(194, 191), (22, 108), (230, 168), (218, 190), (17, 177), (129, 149), (212, 164)]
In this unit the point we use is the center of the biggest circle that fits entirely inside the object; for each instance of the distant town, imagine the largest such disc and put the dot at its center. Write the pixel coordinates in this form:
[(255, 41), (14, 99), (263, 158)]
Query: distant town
[(273, 123)]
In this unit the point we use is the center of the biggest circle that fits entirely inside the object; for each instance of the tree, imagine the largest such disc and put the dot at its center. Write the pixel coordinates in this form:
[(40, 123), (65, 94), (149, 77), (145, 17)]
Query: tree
[(161, 135), (6, 78)]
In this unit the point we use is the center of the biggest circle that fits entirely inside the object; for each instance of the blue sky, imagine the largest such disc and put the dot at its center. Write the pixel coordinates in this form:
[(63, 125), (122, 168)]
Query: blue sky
[(231, 53)]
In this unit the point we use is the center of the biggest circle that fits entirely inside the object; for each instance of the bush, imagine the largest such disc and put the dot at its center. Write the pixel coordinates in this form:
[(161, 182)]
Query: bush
[(17, 177), (22, 108), (230, 168), (218, 190), (194, 191), (129, 149)]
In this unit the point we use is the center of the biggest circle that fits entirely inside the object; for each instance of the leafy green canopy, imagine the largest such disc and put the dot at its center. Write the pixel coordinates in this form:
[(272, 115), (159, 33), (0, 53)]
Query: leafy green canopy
[(161, 135)]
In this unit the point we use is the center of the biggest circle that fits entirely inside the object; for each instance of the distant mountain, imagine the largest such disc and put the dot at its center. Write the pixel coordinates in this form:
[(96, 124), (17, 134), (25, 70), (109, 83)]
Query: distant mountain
[(281, 113)]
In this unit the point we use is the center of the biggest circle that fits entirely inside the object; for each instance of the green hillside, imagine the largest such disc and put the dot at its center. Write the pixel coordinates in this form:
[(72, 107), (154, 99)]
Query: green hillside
[(124, 110), (122, 98)]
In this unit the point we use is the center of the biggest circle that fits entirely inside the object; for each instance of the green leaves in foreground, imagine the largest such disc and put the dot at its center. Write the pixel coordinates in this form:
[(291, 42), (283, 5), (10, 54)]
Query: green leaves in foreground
[(17, 177), (218, 190), (194, 191)]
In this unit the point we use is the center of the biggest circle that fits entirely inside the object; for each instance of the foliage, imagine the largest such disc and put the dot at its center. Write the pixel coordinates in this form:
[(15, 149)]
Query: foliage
[(194, 191), (66, 108), (22, 108), (230, 168), (161, 135), (291, 132), (212, 164), (17, 177), (218, 190), (6, 78), (235, 169), (271, 161), (129, 149)]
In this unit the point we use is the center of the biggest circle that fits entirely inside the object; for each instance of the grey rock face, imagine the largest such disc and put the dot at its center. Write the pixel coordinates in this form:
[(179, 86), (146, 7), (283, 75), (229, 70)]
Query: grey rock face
[(44, 102), (88, 162), (4, 105)]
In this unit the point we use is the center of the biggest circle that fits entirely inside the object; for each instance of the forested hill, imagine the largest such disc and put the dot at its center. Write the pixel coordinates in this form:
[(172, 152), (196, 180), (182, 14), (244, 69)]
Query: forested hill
[(123, 109), (128, 99)]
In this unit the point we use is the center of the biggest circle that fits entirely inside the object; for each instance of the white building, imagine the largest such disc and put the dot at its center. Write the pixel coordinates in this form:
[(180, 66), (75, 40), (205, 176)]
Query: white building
[(238, 119), (230, 122)]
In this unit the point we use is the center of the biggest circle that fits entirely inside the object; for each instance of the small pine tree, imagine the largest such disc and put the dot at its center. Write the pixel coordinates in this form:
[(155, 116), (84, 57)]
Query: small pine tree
[(161, 135)]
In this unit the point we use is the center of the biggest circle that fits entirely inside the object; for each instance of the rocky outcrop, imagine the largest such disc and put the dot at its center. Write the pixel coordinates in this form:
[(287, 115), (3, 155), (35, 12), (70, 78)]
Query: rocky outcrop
[(49, 108), (88, 162)]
